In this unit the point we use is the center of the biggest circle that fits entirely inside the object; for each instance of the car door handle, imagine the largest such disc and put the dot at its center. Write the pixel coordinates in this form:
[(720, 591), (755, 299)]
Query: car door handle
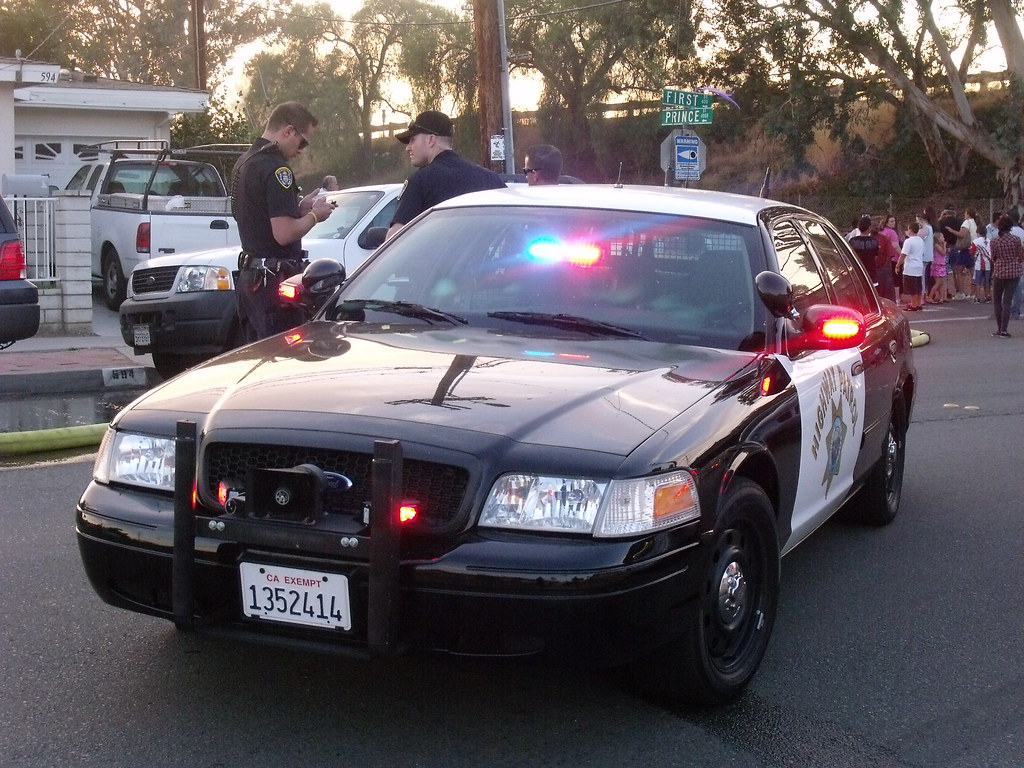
[(219, 224)]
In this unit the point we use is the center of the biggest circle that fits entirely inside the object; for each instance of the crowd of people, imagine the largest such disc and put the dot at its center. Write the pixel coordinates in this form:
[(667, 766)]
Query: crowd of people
[(945, 257)]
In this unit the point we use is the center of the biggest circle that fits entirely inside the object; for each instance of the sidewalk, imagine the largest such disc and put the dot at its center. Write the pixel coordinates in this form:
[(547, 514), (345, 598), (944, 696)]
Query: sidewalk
[(59, 392), (66, 364)]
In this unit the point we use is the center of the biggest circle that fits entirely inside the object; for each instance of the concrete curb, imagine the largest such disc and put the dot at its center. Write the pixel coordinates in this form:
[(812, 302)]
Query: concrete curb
[(89, 380)]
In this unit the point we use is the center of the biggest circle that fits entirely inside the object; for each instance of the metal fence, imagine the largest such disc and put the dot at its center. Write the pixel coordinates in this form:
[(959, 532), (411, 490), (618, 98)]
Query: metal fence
[(34, 217)]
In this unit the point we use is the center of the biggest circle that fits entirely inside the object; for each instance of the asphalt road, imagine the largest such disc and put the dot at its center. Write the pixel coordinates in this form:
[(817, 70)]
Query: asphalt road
[(893, 647)]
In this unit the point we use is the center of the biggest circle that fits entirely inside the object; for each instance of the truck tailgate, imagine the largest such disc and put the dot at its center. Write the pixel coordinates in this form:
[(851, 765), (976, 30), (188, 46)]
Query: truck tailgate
[(194, 230)]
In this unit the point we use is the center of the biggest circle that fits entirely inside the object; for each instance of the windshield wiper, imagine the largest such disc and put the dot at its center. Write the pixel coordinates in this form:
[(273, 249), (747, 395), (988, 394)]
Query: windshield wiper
[(568, 322), (404, 308)]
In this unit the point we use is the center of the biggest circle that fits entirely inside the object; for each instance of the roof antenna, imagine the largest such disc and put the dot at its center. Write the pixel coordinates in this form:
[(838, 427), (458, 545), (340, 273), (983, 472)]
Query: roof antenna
[(618, 181)]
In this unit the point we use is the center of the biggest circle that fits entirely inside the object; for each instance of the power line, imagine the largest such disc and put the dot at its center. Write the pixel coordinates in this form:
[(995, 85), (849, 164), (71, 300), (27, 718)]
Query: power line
[(379, 23)]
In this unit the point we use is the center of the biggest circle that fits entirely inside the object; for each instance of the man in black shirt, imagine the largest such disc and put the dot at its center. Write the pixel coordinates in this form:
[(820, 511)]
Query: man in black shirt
[(440, 174), (868, 247), (272, 220), (949, 225)]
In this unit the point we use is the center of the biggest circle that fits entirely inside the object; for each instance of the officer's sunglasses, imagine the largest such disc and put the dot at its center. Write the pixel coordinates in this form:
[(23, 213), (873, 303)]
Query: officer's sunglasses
[(304, 141)]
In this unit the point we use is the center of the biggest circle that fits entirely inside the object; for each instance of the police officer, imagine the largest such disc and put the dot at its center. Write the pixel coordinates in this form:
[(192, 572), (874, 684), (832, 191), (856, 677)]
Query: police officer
[(441, 172), (543, 165), (272, 219)]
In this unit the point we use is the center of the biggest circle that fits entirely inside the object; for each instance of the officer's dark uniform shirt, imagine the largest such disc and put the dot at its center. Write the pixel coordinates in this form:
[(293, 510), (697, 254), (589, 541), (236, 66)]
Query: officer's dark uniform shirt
[(263, 187), (447, 175)]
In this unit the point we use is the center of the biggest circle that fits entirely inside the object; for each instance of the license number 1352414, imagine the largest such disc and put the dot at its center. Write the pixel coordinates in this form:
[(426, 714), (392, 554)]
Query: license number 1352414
[(295, 596)]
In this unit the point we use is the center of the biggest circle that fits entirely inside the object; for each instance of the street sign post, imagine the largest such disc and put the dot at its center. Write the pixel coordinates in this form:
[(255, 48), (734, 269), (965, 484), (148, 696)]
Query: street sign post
[(689, 99), (688, 116), (690, 157)]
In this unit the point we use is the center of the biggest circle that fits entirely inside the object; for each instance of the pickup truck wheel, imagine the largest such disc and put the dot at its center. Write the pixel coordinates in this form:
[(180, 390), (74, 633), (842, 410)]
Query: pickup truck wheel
[(168, 364), (115, 287), (724, 630)]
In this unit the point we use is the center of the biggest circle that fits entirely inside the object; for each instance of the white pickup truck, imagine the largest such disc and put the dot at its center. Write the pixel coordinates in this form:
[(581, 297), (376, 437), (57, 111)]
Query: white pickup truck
[(181, 308), (148, 200)]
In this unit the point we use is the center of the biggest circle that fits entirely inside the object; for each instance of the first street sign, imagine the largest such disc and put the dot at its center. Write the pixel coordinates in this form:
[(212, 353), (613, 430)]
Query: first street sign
[(694, 116), (673, 98)]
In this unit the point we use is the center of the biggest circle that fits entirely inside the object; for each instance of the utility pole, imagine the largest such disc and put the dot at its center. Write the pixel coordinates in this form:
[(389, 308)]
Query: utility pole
[(488, 62), (198, 20)]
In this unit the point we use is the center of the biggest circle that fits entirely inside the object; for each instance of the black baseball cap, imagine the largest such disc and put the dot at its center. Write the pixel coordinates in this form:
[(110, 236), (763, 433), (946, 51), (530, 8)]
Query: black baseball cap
[(432, 122)]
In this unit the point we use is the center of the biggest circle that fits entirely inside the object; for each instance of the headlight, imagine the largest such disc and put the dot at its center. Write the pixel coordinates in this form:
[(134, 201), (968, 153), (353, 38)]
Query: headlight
[(535, 502), (204, 279), (124, 457), (584, 505)]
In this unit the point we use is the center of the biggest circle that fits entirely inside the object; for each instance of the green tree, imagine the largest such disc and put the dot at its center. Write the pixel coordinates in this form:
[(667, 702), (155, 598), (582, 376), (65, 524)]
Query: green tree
[(342, 69), (145, 41), (812, 61), (587, 55)]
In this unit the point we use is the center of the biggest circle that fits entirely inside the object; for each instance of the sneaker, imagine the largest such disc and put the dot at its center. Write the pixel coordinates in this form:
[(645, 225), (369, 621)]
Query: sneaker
[(960, 296), (1004, 335)]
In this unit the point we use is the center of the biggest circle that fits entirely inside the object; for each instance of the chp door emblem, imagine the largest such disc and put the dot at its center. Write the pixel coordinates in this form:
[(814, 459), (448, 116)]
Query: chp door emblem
[(836, 413)]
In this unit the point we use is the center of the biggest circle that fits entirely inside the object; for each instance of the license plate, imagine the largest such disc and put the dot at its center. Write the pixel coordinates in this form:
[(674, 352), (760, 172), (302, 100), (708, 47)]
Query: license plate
[(141, 334), (295, 596)]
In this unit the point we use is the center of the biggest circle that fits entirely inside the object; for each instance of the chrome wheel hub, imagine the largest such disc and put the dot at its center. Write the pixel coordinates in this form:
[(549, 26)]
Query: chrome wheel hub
[(732, 594)]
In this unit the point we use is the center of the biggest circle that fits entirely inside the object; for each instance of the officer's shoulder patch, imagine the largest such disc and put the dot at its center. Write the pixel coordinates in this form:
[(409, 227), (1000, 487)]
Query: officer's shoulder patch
[(284, 176)]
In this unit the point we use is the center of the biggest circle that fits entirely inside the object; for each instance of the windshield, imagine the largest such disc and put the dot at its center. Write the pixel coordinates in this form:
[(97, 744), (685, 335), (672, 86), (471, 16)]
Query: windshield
[(351, 207), (553, 270)]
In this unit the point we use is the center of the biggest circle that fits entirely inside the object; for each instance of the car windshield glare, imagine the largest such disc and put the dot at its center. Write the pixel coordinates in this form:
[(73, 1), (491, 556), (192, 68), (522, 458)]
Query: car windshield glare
[(669, 278), (350, 208)]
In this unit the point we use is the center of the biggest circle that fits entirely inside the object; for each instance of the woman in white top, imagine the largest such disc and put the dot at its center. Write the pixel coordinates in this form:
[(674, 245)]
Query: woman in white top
[(962, 261), (925, 221)]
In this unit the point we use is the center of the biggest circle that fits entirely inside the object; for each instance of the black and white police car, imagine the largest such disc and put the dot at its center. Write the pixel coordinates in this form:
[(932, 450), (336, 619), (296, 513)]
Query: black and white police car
[(582, 422)]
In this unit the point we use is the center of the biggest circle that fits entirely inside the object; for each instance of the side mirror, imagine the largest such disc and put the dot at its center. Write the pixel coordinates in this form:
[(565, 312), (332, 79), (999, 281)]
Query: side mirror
[(371, 238), (776, 294)]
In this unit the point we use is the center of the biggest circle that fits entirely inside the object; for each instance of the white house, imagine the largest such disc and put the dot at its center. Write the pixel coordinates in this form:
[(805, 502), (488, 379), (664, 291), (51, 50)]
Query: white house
[(52, 113), (47, 116)]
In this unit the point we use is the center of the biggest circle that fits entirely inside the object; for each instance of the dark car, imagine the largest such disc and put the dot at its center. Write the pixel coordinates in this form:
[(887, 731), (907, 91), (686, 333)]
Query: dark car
[(580, 422), (19, 299)]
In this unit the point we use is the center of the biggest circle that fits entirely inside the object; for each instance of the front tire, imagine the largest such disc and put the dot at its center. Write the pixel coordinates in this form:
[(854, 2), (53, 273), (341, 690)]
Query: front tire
[(115, 287), (725, 629)]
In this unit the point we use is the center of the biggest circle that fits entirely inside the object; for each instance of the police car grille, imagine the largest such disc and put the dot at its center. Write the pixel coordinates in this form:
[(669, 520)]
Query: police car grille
[(439, 488), (158, 279)]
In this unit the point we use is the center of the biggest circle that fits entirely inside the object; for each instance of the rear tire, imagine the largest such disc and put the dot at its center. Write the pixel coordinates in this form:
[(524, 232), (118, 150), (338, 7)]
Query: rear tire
[(115, 287), (725, 629), (879, 500)]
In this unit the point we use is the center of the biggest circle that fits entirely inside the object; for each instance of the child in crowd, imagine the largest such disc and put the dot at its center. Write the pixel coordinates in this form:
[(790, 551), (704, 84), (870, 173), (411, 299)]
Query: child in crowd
[(911, 267), (937, 293), (982, 281)]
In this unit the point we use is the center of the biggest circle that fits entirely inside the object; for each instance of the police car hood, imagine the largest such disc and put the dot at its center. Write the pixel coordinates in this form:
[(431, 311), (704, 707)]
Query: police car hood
[(607, 395)]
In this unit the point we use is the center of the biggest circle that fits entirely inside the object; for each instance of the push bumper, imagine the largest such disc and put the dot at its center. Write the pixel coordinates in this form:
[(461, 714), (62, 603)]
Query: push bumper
[(587, 602)]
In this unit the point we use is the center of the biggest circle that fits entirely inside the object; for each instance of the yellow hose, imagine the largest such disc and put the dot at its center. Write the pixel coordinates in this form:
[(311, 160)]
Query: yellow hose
[(37, 440)]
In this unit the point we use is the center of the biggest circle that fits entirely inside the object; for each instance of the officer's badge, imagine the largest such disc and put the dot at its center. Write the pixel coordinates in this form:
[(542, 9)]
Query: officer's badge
[(284, 176)]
